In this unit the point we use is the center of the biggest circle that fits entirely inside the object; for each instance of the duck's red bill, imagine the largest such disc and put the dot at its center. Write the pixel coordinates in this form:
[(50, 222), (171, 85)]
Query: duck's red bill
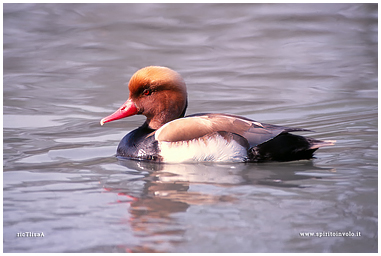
[(127, 109)]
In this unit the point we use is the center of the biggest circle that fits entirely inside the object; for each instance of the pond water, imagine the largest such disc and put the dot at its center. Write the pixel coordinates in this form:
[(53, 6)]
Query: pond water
[(66, 66)]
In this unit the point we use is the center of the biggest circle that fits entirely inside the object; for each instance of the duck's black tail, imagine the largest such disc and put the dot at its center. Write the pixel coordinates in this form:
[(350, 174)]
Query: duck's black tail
[(286, 147)]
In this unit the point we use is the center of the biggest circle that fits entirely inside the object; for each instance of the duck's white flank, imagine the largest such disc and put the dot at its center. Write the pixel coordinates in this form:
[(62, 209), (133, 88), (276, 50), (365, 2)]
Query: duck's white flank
[(205, 149)]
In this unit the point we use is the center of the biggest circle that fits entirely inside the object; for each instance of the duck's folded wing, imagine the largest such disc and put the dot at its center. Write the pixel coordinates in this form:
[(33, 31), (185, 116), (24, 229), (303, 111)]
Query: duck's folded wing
[(196, 126)]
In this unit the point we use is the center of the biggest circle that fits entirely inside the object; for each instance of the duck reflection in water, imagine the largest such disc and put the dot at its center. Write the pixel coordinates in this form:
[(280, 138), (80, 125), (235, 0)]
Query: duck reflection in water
[(165, 189)]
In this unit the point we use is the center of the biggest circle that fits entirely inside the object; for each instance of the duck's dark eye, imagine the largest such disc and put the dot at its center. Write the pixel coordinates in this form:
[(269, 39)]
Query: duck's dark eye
[(147, 92)]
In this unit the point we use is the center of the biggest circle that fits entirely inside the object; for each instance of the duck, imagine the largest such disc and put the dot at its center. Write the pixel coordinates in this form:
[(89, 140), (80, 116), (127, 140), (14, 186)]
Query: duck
[(168, 136)]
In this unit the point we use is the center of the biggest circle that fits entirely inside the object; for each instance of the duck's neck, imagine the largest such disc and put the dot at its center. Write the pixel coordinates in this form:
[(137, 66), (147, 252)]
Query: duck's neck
[(155, 123), (162, 118)]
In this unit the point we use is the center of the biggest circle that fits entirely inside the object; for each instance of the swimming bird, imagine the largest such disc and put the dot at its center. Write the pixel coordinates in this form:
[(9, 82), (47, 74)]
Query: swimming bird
[(167, 135)]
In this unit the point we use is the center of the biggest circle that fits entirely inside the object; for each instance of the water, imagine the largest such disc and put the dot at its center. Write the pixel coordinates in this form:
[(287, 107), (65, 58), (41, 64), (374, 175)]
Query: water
[(66, 66)]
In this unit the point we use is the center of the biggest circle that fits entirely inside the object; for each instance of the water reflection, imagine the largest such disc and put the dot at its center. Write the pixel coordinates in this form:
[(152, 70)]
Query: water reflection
[(275, 174), (167, 189)]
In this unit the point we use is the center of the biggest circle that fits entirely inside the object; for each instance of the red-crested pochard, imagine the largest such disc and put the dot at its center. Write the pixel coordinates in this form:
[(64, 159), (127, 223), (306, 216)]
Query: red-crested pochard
[(160, 94)]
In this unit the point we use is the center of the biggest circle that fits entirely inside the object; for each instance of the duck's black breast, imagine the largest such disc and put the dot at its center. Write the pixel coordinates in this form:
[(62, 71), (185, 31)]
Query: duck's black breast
[(139, 144)]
